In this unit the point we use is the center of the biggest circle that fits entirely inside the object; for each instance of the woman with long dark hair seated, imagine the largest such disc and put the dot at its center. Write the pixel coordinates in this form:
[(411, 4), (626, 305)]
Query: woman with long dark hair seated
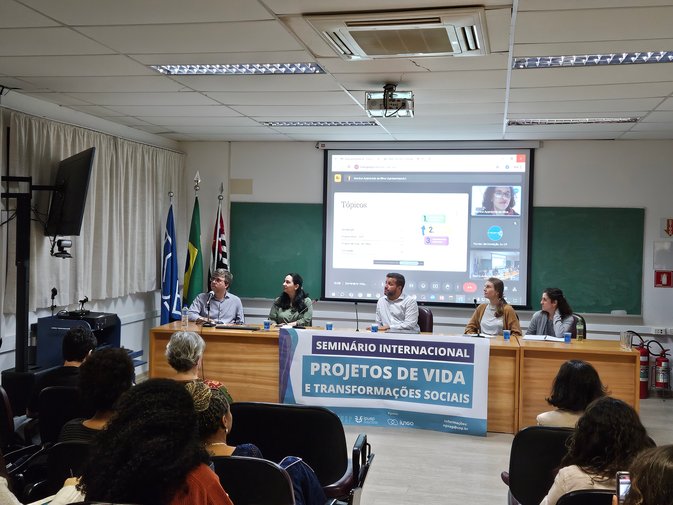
[(293, 307), (556, 316), (150, 452), (215, 422), (606, 439)]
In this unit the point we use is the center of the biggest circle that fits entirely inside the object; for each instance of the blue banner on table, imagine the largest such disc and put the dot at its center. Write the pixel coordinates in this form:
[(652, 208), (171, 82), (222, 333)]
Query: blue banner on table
[(419, 381)]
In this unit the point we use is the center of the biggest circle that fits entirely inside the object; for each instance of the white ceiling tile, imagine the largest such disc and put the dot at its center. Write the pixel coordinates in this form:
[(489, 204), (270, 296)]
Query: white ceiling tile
[(115, 84), (595, 92), (576, 76), (268, 83), (86, 12), (585, 106), (61, 66), (195, 38), (15, 15), (59, 98), (174, 109), (47, 41), (200, 120), (149, 99), (282, 98), (224, 58), (292, 111)]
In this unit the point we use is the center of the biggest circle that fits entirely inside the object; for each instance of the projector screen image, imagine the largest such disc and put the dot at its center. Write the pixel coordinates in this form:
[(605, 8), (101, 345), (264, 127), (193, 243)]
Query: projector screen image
[(447, 220)]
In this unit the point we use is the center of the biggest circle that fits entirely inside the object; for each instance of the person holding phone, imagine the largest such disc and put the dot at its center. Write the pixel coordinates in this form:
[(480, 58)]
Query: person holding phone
[(651, 478), (607, 439)]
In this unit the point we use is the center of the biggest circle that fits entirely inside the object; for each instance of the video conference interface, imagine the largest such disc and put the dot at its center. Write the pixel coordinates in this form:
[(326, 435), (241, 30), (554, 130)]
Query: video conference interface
[(446, 220)]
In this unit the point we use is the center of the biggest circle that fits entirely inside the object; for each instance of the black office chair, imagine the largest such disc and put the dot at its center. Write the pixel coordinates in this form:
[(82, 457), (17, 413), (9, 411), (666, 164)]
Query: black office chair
[(425, 319), (254, 481), (8, 439), (578, 318), (534, 458), (312, 433), (56, 406), (587, 497)]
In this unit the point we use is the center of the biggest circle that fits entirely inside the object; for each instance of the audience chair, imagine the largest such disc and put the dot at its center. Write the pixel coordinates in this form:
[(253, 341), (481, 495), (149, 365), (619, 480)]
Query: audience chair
[(425, 319), (578, 318), (8, 439), (362, 461), (63, 460), (56, 406), (312, 433), (254, 481), (534, 458), (587, 497)]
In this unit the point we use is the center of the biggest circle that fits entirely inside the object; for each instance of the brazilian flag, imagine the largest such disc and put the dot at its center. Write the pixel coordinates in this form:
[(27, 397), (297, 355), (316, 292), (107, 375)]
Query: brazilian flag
[(194, 264)]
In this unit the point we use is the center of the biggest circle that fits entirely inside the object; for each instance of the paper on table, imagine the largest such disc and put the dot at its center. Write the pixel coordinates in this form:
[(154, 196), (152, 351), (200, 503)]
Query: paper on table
[(548, 338)]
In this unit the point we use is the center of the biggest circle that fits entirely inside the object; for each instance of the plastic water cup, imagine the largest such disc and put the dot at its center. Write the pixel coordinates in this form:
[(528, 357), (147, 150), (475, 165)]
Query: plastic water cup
[(267, 324), (506, 334), (329, 326), (625, 340), (375, 328), (567, 336)]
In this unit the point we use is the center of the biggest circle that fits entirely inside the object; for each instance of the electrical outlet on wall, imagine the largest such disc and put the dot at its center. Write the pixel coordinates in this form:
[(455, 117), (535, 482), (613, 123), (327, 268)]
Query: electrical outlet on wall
[(658, 331)]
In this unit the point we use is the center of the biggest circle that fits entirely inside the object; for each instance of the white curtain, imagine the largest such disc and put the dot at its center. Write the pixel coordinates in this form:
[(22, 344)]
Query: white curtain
[(118, 251)]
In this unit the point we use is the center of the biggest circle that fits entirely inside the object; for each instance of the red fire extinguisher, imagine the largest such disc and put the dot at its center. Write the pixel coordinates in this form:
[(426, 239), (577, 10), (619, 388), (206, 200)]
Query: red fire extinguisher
[(644, 366), (662, 370)]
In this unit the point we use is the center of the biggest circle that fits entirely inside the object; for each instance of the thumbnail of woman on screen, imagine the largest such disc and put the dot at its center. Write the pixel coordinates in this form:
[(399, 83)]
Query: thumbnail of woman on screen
[(498, 201)]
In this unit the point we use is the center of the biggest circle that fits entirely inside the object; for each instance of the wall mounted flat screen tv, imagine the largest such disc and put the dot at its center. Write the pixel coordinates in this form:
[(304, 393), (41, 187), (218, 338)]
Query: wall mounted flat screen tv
[(68, 199), (445, 219)]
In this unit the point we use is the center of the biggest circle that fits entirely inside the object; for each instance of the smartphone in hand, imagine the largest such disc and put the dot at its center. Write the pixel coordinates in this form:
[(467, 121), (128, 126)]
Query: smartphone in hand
[(623, 480)]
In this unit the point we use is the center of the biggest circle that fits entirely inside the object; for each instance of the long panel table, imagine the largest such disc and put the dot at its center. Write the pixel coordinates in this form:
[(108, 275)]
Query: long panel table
[(519, 377), (247, 362)]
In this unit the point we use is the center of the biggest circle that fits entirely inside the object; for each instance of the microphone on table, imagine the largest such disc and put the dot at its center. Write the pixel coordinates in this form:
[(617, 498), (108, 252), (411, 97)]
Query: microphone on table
[(209, 323), (357, 319), (476, 304)]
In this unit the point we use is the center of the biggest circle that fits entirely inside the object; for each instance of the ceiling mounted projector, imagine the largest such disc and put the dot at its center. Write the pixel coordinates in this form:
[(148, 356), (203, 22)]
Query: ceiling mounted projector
[(389, 103)]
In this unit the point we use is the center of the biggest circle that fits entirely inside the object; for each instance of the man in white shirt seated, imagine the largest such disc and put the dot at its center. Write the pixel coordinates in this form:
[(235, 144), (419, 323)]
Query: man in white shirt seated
[(396, 312), (225, 307)]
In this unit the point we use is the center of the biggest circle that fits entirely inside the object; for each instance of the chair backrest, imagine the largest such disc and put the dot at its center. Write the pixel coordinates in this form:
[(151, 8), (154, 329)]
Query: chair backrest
[(56, 406), (533, 461), (578, 318), (254, 481), (312, 433), (362, 460), (425, 319), (6, 422), (587, 497)]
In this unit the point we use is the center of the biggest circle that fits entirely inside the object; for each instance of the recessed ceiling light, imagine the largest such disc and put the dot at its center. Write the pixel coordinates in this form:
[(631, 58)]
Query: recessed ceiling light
[(241, 69), (590, 60), (283, 124), (586, 120)]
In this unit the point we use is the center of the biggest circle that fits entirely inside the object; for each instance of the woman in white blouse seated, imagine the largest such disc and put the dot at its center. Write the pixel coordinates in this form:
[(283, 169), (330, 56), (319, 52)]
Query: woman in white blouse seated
[(496, 315), (606, 439), (556, 316), (575, 386)]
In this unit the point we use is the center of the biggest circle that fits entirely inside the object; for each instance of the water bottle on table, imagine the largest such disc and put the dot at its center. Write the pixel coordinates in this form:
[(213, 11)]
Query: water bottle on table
[(185, 317)]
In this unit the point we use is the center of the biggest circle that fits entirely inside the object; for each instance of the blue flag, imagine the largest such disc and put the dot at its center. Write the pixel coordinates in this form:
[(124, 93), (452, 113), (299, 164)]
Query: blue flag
[(170, 298)]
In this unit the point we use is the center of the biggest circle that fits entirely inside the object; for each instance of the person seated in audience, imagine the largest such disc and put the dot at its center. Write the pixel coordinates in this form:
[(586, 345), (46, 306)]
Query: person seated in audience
[(225, 307), (215, 422), (103, 378), (556, 316), (293, 307), (651, 478), (150, 452), (606, 439), (78, 343), (496, 315), (184, 353), (575, 386)]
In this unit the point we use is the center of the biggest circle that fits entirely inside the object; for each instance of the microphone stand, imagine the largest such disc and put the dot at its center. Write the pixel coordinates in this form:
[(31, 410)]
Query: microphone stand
[(208, 323), (54, 292), (357, 319)]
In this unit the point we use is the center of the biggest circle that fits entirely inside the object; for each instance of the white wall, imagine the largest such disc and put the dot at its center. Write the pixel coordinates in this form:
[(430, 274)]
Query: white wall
[(567, 173)]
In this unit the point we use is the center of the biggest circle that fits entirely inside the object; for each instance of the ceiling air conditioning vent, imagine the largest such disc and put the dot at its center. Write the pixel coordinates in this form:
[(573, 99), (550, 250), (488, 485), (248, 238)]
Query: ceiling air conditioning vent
[(446, 32)]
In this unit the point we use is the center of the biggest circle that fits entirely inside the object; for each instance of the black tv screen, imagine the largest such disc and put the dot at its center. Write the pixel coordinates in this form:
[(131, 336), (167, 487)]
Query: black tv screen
[(66, 209)]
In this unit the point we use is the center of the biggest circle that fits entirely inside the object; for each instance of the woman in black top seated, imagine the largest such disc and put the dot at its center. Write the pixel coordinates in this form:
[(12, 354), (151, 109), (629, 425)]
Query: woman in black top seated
[(103, 377), (215, 422)]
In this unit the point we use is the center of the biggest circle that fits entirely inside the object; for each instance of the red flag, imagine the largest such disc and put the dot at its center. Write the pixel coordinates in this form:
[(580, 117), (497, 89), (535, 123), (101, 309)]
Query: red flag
[(218, 251)]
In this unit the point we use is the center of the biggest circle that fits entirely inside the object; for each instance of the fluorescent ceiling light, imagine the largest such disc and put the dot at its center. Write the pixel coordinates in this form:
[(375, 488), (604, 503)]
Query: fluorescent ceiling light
[(241, 69), (283, 124), (590, 60), (587, 120)]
